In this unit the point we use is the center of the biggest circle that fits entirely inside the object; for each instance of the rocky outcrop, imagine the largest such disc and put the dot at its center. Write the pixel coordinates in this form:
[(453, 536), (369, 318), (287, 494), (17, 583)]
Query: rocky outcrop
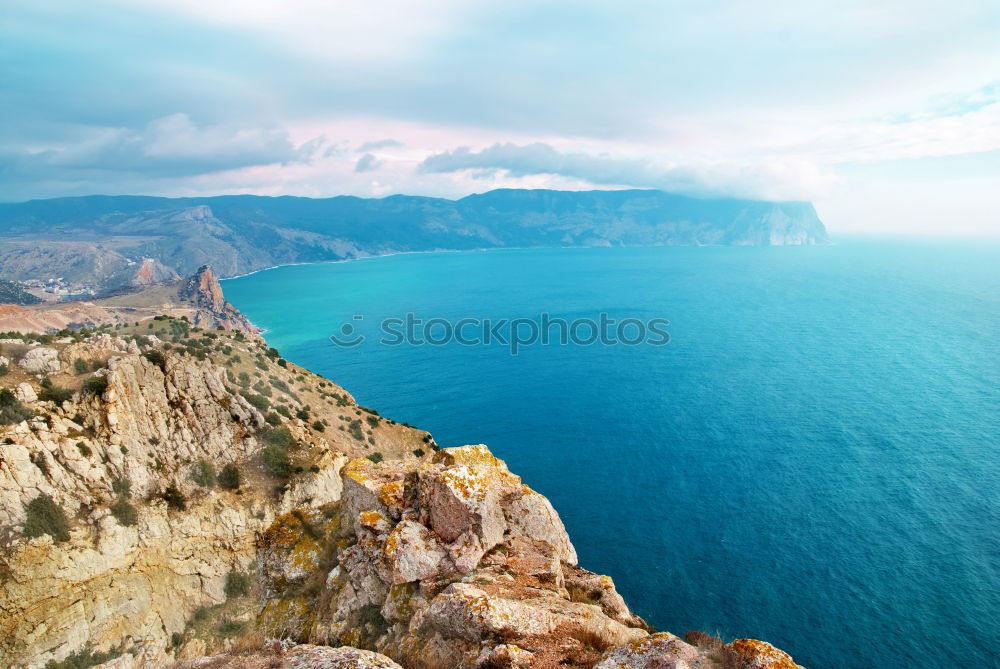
[(447, 563)]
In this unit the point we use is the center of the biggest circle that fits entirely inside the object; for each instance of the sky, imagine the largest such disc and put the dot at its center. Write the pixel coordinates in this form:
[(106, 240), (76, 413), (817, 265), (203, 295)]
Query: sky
[(885, 114)]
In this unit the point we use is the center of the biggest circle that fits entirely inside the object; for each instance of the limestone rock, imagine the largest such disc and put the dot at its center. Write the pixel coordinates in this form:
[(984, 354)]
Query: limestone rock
[(304, 656), (756, 654), (505, 656), (25, 393), (532, 515), (413, 553), (40, 360), (662, 650)]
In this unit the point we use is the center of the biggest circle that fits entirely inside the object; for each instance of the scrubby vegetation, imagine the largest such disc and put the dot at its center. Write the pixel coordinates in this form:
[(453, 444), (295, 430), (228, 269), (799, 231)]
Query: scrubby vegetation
[(85, 658), (11, 409), (229, 477), (175, 498), (276, 462), (203, 474), (44, 516), (56, 394), (237, 585), (124, 512), (96, 385)]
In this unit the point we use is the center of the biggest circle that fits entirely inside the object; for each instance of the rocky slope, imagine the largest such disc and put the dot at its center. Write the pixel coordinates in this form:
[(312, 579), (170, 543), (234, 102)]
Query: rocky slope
[(128, 538), (198, 298), (115, 242)]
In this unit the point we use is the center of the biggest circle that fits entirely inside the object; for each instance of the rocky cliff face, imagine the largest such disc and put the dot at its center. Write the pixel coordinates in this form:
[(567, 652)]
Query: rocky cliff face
[(344, 529)]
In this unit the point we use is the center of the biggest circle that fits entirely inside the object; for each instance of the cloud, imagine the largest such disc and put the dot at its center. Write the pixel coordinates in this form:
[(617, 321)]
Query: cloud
[(170, 146), (769, 179), (368, 163), (387, 143)]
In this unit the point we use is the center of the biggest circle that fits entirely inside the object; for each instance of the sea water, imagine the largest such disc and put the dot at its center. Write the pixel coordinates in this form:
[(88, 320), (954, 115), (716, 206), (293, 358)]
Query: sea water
[(813, 459)]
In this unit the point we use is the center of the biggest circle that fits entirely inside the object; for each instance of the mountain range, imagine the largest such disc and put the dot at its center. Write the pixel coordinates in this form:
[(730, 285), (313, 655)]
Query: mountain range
[(104, 243)]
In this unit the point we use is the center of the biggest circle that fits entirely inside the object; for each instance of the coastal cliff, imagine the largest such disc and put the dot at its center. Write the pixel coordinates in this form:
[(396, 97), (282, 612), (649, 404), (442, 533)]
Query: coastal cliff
[(171, 492), (142, 240)]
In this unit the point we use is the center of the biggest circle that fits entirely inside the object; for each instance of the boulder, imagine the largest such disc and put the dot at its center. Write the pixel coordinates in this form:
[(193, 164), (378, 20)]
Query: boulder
[(40, 360), (25, 393), (754, 654), (657, 651), (532, 515)]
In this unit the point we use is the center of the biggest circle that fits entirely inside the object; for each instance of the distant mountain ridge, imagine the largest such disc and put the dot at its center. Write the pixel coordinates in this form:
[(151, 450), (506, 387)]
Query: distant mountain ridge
[(114, 241)]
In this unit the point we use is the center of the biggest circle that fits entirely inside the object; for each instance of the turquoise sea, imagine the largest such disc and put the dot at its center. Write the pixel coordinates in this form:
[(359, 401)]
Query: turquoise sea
[(813, 459)]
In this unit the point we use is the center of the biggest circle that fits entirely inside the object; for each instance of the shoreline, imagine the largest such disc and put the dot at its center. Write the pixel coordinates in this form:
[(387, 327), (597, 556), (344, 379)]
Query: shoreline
[(515, 248)]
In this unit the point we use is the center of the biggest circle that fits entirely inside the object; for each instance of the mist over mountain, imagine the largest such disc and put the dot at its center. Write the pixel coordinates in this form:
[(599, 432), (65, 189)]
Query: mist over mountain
[(108, 242)]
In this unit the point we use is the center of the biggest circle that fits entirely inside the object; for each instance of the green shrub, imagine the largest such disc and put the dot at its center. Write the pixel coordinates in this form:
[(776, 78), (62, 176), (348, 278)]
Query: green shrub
[(372, 421), (82, 659), (124, 512), (96, 365), (229, 477), (244, 379), (44, 516), (355, 429), (4, 369), (203, 473), (277, 436), (318, 426), (55, 394), (237, 584), (175, 498), (283, 410), (11, 409), (273, 419), (302, 414), (122, 486), (83, 448), (156, 357), (256, 401), (419, 452), (80, 366), (229, 628), (276, 462), (376, 457), (96, 385)]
